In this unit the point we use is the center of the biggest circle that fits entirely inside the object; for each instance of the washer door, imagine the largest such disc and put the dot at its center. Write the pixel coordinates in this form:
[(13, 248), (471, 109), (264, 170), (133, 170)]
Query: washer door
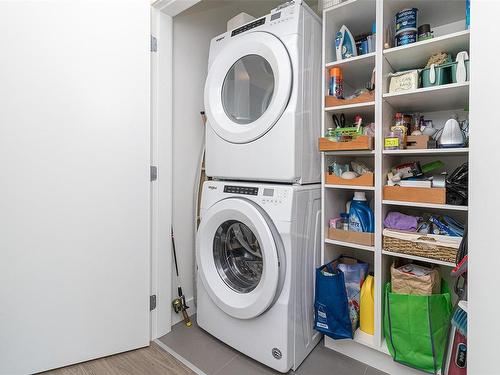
[(237, 258), (248, 87)]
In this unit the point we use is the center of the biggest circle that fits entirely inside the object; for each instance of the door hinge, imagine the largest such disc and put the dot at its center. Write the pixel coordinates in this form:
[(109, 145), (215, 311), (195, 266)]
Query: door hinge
[(154, 44), (153, 173), (152, 302)]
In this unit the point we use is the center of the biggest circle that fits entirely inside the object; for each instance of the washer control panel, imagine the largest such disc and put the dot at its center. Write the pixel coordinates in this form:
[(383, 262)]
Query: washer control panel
[(273, 196), (246, 190)]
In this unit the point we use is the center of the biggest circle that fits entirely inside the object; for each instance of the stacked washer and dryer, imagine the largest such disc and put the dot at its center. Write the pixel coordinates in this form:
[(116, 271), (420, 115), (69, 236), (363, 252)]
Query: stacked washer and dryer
[(258, 242)]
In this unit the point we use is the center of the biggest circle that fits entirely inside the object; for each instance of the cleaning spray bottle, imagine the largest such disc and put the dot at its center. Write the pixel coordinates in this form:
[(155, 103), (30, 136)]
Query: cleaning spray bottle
[(360, 214)]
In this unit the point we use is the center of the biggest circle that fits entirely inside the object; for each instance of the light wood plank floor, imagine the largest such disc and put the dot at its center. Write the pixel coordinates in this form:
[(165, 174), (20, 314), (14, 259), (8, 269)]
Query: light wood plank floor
[(147, 361)]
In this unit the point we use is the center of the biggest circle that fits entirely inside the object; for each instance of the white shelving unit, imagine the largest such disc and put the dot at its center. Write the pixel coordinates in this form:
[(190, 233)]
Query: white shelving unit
[(440, 102)]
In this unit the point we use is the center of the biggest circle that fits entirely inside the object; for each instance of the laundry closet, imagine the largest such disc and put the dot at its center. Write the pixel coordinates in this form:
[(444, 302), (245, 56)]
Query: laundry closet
[(101, 153)]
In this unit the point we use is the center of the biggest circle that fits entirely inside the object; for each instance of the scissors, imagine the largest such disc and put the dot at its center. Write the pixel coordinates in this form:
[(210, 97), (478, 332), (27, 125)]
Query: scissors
[(339, 123)]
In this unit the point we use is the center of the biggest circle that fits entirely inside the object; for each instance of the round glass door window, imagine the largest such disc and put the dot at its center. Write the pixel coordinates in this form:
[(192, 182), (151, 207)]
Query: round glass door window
[(238, 256), (248, 89)]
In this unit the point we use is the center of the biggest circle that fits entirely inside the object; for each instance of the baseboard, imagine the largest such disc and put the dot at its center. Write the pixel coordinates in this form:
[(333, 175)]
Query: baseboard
[(370, 357)]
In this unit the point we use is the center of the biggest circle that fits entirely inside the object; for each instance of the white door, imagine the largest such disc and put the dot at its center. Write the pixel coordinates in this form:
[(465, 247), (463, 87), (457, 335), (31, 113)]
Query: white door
[(248, 87), (238, 257), (74, 181)]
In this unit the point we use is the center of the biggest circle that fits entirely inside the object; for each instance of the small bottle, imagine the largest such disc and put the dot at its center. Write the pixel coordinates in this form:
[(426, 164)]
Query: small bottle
[(391, 141), (344, 221), (400, 130), (336, 87)]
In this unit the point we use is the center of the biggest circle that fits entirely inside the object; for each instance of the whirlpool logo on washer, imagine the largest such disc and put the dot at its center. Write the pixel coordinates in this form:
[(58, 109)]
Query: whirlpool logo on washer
[(219, 39), (212, 187)]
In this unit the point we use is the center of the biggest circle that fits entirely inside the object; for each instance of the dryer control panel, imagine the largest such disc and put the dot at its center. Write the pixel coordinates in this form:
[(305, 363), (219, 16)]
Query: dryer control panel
[(248, 26)]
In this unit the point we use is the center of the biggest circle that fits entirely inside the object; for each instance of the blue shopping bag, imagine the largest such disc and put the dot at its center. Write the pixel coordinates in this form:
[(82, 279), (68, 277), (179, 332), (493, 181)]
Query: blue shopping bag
[(331, 309)]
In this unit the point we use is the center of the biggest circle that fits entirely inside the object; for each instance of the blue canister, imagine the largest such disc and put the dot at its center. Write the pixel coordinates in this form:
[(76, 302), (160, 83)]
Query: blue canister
[(406, 20), (404, 38)]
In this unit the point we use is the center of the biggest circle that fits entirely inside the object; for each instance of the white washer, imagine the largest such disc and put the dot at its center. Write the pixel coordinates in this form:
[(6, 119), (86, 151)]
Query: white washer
[(263, 99), (257, 248)]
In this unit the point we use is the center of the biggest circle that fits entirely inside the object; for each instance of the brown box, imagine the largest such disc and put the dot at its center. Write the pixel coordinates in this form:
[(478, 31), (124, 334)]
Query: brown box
[(417, 141), (361, 142), (360, 238), (332, 101), (366, 179), (415, 194)]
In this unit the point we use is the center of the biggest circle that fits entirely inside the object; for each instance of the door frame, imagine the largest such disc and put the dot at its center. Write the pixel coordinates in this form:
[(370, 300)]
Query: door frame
[(162, 13)]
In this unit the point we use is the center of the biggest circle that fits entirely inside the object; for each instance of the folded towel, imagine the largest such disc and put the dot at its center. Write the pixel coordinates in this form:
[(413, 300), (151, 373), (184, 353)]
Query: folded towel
[(397, 220)]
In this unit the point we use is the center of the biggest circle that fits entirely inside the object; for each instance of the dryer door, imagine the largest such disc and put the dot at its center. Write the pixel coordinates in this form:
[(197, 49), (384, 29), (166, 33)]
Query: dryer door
[(237, 258), (248, 87)]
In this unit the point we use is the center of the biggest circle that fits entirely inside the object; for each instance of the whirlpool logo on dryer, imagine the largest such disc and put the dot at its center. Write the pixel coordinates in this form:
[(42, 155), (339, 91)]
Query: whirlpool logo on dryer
[(212, 187)]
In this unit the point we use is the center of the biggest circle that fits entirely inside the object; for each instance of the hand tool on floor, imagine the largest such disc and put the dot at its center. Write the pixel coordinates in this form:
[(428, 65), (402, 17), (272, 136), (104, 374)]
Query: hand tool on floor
[(179, 303)]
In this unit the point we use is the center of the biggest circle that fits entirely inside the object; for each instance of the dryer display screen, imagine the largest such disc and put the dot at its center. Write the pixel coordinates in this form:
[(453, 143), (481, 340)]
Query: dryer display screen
[(248, 26), (275, 16), (241, 190)]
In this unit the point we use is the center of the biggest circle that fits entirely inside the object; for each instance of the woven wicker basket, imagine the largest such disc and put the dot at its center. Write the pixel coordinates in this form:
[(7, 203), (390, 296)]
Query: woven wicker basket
[(422, 247)]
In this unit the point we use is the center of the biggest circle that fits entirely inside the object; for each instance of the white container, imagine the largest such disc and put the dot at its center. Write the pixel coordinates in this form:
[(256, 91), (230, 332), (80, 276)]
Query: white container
[(403, 81)]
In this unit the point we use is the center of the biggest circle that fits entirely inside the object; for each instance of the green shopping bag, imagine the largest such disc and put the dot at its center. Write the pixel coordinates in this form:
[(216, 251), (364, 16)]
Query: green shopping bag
[(416, 327)]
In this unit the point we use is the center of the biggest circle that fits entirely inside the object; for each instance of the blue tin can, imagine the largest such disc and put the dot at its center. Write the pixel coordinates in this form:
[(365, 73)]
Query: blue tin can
[(406, 20), (404, 38)]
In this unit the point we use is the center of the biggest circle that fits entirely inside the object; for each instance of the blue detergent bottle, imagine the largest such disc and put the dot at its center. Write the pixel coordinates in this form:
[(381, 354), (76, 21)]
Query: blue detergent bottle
[(360, 214)]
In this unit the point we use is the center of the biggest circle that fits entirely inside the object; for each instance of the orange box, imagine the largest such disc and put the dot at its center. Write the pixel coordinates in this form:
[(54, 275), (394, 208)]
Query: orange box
[(360, 238), (415, 194), (332, 101), (361, 142), (366, 179)]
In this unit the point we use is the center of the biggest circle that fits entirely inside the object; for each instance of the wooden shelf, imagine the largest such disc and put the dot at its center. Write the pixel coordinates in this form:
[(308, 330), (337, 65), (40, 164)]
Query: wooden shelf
[(432, 151), (426, 205), (415, 55), (429, 99), (421, 259), (350, 245)]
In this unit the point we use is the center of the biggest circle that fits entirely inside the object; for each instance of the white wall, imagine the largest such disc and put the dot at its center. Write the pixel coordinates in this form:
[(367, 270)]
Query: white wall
[(193, 30), (484, 201)]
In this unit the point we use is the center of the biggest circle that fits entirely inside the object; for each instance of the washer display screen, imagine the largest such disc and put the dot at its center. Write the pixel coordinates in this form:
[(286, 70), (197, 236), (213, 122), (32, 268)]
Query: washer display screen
[(268, 192)]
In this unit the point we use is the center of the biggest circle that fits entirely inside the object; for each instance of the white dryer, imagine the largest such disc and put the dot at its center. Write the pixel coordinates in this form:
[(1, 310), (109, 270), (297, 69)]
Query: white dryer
[(263, 99), (257, 248)]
